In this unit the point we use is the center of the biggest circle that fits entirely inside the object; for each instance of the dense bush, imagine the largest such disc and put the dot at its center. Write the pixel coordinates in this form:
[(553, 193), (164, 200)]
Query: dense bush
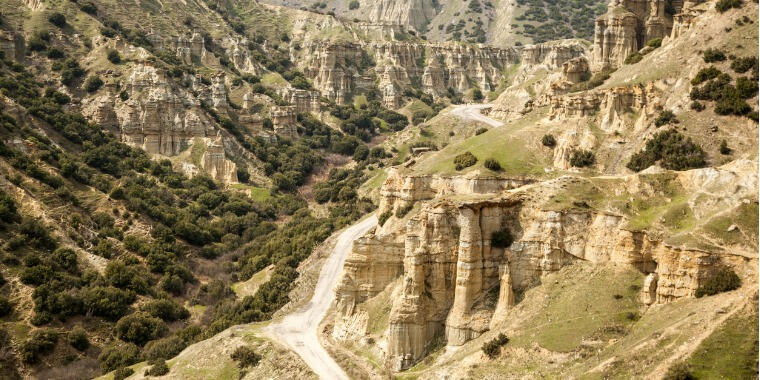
[(166, 309), (401, 211), (123, 373), (77, 338), (114, 57), (723, 280), (57, 19), (117, 356), (93, 83), (502, 238), (55, 53), (382, 218), (108, 302), (729, 99), (464, 160), (678, 371), (492, 348), (743, 64), (548, 141), (40, 342), (597, 80), (633, 58), (8, 209), (481, 131), (89, 8), (5, 306), (673, 150), (697, 106), (713, 55), (139, 328), (245, 357), (354, 4), (158, 369), (724, 149), (582, 158), (705, 74), (665, 117), (492, 164), (724, 5), (655, 43)]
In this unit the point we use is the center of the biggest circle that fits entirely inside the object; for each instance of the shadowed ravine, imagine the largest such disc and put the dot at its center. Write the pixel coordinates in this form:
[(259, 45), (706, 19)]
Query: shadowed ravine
[(298, 330)]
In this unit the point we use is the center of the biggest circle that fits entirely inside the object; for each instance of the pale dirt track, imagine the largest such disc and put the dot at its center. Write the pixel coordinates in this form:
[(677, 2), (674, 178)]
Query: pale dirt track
[(472, 112), (298, 330)]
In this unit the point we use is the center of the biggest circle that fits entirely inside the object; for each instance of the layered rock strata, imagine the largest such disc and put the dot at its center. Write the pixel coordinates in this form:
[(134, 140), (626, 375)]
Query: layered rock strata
[(626, 27), (456, 282), (338, 69)]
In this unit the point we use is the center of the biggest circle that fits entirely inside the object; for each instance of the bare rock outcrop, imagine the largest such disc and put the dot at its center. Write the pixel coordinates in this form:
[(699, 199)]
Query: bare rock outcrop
[(340, 70), (626, 27), (457, 281)]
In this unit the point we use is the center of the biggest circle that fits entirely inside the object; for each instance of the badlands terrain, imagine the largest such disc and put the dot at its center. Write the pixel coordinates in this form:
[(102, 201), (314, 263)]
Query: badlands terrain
[(378, 189)]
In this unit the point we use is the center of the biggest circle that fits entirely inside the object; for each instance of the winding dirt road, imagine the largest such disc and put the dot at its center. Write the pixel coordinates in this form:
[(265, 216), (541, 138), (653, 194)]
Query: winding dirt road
[(298, 330), (472, 112)]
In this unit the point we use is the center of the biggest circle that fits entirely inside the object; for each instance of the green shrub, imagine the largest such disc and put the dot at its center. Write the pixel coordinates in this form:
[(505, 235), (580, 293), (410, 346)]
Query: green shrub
[(114, 56), (354, 4), (492, 164), (724, 5), (108, 302), (713, 55), (672, 149), (41, 341), (502, 238), (697, 106), (166, 309), (746, 87), (597, 80), (158, 369), (245, 357), (582, 158), (123, 373), (481, 131), (77, 338), (678, 371), (655, 43), (383, 218), (465, 160), (5, 307), (88, 8), (635, 57), (492, 348), (705, 74), (723, 280), (93, 83), (55, 53), (744, 64), (724, 149), (164, 348), (665, 117), (549, 141), (403, 210), (139, 328), (57, 19), (117, 356)]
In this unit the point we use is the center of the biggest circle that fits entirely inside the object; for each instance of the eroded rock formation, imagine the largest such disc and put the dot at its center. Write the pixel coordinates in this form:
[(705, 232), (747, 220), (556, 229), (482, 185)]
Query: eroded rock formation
[(341, 70), (626, 27), (456, 282)]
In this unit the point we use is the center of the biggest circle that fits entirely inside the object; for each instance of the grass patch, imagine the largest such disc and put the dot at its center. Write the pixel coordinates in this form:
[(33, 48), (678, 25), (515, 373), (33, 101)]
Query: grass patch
[(730, 352)]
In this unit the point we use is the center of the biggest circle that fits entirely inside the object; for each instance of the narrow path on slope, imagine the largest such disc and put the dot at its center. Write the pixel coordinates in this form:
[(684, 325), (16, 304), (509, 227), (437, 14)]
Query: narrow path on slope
[(472, 112), (298, 330)]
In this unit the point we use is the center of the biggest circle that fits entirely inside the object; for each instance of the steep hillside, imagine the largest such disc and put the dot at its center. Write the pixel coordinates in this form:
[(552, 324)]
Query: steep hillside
[(588, 227), (500, 22)]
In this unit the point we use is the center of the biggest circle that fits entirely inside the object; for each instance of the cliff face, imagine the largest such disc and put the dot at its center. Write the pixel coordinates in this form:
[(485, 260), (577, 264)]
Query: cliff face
[(340, 70), (456, 283), (626, 27)]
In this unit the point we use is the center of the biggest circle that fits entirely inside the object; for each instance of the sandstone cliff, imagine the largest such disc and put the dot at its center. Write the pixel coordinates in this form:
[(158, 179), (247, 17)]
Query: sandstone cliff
[(456, 283)]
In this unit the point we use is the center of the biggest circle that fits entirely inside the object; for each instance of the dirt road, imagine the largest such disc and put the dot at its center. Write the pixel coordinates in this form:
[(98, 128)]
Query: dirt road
[(298, 330), (472, 112)]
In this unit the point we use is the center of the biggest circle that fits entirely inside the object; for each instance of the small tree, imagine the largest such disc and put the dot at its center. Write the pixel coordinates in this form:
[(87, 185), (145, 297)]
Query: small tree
[(93, 83), (245, 357), (582, 158), (549, 141), (57, 19), (492, 164), (464, 160), (77, 338), (158, 369), (354, 4), (114, 57), (724, 149)]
